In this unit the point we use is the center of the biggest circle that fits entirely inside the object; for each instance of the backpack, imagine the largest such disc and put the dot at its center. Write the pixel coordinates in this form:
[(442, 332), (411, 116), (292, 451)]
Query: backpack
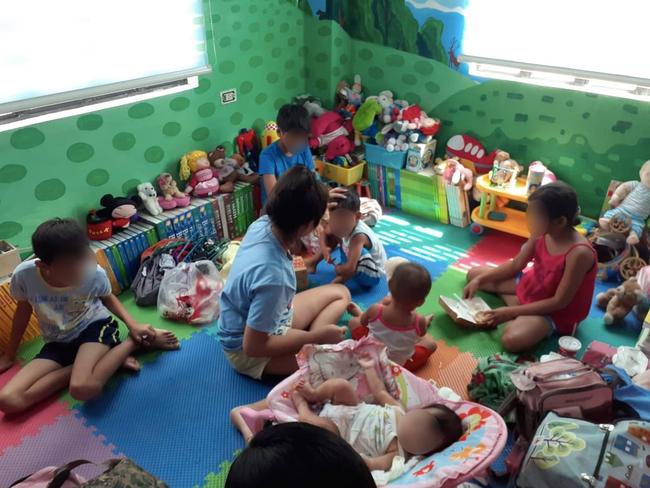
[(570, 453), (121, 473), (565, 386), (146, 283), (630, 400)]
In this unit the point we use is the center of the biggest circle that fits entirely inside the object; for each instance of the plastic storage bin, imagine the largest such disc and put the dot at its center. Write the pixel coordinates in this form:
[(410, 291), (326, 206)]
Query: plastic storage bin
[(343, 176), (378, 155)]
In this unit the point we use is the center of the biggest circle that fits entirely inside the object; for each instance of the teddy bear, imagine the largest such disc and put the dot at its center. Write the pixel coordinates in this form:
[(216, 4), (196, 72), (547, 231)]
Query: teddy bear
[(149, 197), (618, 302), (230, 169), (331, 131), (171, 197), (631, 200)]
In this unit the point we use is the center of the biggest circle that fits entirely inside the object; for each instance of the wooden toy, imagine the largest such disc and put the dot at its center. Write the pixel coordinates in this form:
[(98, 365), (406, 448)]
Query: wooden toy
[(7, 310)]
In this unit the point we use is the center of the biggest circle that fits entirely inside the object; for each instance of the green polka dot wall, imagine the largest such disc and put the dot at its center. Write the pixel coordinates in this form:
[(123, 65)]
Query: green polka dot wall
[(63, 167)]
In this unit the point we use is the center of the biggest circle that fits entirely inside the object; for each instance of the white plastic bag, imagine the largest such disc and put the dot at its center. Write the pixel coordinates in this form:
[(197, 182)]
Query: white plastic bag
[(190, 293)]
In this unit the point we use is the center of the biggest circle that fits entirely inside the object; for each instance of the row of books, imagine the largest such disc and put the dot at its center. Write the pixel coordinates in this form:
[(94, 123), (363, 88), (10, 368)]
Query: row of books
[(234, 212), (225, 216)]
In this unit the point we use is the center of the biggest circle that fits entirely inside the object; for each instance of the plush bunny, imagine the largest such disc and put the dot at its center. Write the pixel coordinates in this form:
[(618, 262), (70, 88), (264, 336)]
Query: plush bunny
[(149, 197)]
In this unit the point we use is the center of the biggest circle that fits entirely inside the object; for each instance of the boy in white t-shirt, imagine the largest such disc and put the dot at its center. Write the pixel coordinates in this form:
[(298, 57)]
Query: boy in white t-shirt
[(71, 297)]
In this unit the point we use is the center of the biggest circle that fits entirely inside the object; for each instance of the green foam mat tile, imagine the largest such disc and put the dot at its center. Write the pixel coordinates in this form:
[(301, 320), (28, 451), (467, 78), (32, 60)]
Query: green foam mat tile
[(150, 315), (479, 343), (218, 480)]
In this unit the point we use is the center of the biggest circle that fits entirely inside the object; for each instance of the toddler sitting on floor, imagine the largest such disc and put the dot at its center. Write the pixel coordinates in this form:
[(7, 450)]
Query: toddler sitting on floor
[(377, 432), (395, 322), (351, 245)]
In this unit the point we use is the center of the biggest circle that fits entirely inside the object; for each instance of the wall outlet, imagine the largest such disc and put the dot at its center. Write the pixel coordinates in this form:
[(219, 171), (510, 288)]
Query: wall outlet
[(228, 96)]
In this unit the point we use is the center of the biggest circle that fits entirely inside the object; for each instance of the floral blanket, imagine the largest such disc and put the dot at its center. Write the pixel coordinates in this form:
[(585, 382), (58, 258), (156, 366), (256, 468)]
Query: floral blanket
[(485, 431)]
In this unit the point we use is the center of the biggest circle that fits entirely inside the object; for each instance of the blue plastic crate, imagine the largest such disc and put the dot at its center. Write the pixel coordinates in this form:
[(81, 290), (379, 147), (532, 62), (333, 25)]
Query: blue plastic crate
[(378, 155)]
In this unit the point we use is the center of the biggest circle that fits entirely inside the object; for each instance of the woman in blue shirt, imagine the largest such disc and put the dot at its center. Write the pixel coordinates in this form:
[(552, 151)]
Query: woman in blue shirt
[(263, 322)]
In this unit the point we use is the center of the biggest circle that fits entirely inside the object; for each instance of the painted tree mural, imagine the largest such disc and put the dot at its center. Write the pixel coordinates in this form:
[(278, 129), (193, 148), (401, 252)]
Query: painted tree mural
[(387, 22)]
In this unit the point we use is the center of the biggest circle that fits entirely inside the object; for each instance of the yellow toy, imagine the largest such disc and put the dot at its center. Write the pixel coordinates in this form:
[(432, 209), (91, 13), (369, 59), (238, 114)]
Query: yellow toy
[(270, 134)]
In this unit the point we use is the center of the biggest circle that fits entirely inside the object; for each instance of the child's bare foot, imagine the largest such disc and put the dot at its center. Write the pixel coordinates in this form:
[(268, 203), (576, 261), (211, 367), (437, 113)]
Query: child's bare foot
[(354, 310), (131, 364), (307, 391), (165, 339)]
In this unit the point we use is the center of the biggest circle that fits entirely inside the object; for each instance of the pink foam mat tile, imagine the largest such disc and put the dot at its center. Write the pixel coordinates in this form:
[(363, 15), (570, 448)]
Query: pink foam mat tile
[(493, 250), (65, 440), (14, 428)]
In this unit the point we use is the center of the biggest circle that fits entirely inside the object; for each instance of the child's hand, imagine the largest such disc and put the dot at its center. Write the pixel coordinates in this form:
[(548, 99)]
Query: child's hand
[(499, 316), (6, 362), (472, 287), (142, 334), (366, 361)]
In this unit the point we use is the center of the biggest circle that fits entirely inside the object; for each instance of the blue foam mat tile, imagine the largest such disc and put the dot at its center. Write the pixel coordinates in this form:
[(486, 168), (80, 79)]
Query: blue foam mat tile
[(173, 418)]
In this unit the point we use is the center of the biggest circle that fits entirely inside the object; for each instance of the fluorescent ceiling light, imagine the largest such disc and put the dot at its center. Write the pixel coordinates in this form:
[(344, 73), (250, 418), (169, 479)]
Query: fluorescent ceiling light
[(615, 86), (55, 114)]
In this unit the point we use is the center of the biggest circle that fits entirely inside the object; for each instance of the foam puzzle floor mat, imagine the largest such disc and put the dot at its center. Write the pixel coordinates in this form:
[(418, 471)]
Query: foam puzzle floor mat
[(172, 418)]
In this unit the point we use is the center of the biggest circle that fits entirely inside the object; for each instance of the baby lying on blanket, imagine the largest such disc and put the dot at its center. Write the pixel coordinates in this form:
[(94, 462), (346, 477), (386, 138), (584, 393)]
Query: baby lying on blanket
[(377, 432)]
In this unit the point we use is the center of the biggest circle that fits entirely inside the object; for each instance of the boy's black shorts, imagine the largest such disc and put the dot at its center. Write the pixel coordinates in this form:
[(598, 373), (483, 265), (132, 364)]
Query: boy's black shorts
[(103, 331)]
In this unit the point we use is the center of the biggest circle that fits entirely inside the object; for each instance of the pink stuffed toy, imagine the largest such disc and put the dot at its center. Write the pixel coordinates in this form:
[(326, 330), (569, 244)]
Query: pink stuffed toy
[(332, 131), (454, 173)]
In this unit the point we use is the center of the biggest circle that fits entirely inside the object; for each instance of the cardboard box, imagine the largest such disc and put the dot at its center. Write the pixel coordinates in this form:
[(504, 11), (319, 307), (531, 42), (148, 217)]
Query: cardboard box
[(9, 258), (463, 312)]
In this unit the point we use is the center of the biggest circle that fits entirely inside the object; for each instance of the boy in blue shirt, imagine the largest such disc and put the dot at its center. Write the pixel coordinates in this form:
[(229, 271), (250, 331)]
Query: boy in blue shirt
[(71, 297), (292, 149)]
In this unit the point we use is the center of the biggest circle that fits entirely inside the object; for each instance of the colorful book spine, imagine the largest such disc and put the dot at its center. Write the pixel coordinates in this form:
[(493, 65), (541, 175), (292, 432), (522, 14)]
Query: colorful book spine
[(207, 220), (126, 253), (238, 209), (114, 266), (252, 214), (102, 259), (230, 215), (257, 199), (119, 263), (216, 213)]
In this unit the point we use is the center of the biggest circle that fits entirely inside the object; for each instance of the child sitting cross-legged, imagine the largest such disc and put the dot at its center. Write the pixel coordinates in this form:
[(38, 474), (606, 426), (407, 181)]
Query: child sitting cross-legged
[(71, 297), (360, 255), (395, 323), (377, 432)]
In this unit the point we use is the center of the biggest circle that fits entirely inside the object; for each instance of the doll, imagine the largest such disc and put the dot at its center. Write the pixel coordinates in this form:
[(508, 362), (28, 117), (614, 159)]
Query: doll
[(203, 178), (631, 200), (171, 197)]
